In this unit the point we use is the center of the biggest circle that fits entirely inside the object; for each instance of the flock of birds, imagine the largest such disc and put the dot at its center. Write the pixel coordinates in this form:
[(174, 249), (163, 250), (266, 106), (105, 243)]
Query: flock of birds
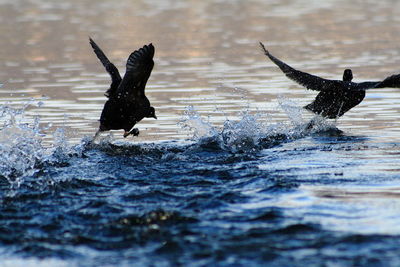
[(127, 103)]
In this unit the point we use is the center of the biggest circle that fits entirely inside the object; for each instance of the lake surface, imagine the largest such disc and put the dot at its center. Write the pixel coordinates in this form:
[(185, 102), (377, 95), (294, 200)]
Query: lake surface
[(227, 175)]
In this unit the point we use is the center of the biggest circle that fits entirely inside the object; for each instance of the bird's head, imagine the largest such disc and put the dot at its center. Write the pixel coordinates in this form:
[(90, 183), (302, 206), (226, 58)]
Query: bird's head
[(347, 75), (151, 113)]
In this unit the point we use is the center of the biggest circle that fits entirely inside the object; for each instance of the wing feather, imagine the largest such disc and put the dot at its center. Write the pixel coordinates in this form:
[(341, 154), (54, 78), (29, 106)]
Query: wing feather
[(110, 68), (307, 80), (392, 81), (138, 69)]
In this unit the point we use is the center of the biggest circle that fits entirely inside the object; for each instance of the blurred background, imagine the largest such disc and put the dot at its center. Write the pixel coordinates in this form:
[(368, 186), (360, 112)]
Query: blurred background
[(207, 56)]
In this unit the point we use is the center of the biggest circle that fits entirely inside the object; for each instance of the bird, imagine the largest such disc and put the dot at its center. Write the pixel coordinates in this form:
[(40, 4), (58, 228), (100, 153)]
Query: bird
[(127, 103), (335, 97)]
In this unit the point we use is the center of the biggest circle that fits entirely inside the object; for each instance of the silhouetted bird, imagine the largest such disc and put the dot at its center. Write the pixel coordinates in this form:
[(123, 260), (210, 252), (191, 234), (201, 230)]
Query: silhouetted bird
[(127, 103), (336, 97)]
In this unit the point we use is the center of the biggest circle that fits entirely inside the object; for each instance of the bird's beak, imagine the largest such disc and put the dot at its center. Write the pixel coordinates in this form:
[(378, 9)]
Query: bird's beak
[(126, 133), (155, 117)]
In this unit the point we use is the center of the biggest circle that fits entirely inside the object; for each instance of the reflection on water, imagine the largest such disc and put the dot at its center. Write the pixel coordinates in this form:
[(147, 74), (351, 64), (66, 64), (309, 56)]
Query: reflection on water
[(204, 53), (360, 207), (251, 177)]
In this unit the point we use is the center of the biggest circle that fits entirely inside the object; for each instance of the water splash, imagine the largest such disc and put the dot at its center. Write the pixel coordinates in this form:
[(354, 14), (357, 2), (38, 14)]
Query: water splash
[(23, 153), (243, 134), (292, 110), (234, 136), (250, 132), (193, 122), (316, 124), (20, 144)]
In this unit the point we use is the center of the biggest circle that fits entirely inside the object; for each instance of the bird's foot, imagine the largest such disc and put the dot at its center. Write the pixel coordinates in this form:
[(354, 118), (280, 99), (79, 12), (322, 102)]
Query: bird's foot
[(134, 132)]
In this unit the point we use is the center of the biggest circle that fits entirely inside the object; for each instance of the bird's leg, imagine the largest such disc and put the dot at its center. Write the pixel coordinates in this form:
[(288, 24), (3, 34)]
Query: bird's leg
[(91, 141), (102, 128), (96, 135), (340, 109)]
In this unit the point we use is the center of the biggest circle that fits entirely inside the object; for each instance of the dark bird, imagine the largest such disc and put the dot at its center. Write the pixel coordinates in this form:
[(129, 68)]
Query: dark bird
[(336, 97), (127, 103)]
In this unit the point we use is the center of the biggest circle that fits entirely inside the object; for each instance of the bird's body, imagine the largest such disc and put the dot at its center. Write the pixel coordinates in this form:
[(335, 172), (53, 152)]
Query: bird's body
[(127, 104), (121, 114), (335, 97), (334, 103)]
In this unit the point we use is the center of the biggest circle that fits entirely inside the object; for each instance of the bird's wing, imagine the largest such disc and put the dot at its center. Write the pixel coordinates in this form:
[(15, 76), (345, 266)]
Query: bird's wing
[(392, 81), (138, 69), (307, 80), (366, 85), (110, 68)]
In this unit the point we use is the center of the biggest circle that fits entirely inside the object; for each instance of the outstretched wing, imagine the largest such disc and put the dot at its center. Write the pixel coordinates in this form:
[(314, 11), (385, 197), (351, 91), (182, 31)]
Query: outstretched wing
[(138, 69), (392, 81), (307, 80), (110, 68), (365, 85)]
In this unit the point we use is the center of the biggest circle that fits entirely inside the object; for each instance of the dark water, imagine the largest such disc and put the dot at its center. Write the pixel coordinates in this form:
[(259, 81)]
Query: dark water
[(227, 176), (272, 195)]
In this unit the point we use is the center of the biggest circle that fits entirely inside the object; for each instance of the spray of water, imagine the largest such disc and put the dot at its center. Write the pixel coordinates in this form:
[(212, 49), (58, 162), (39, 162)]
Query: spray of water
[(20, 144), (194, 123), (23, 153), (234, 136), (250, 132)]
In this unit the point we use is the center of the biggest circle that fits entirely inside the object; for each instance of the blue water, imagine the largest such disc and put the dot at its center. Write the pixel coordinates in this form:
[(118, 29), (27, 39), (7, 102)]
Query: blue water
[(244, 194)]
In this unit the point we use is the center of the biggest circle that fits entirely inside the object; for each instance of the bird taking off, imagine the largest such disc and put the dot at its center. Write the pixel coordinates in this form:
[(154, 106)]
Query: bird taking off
[(127, 103), (335, 97)]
